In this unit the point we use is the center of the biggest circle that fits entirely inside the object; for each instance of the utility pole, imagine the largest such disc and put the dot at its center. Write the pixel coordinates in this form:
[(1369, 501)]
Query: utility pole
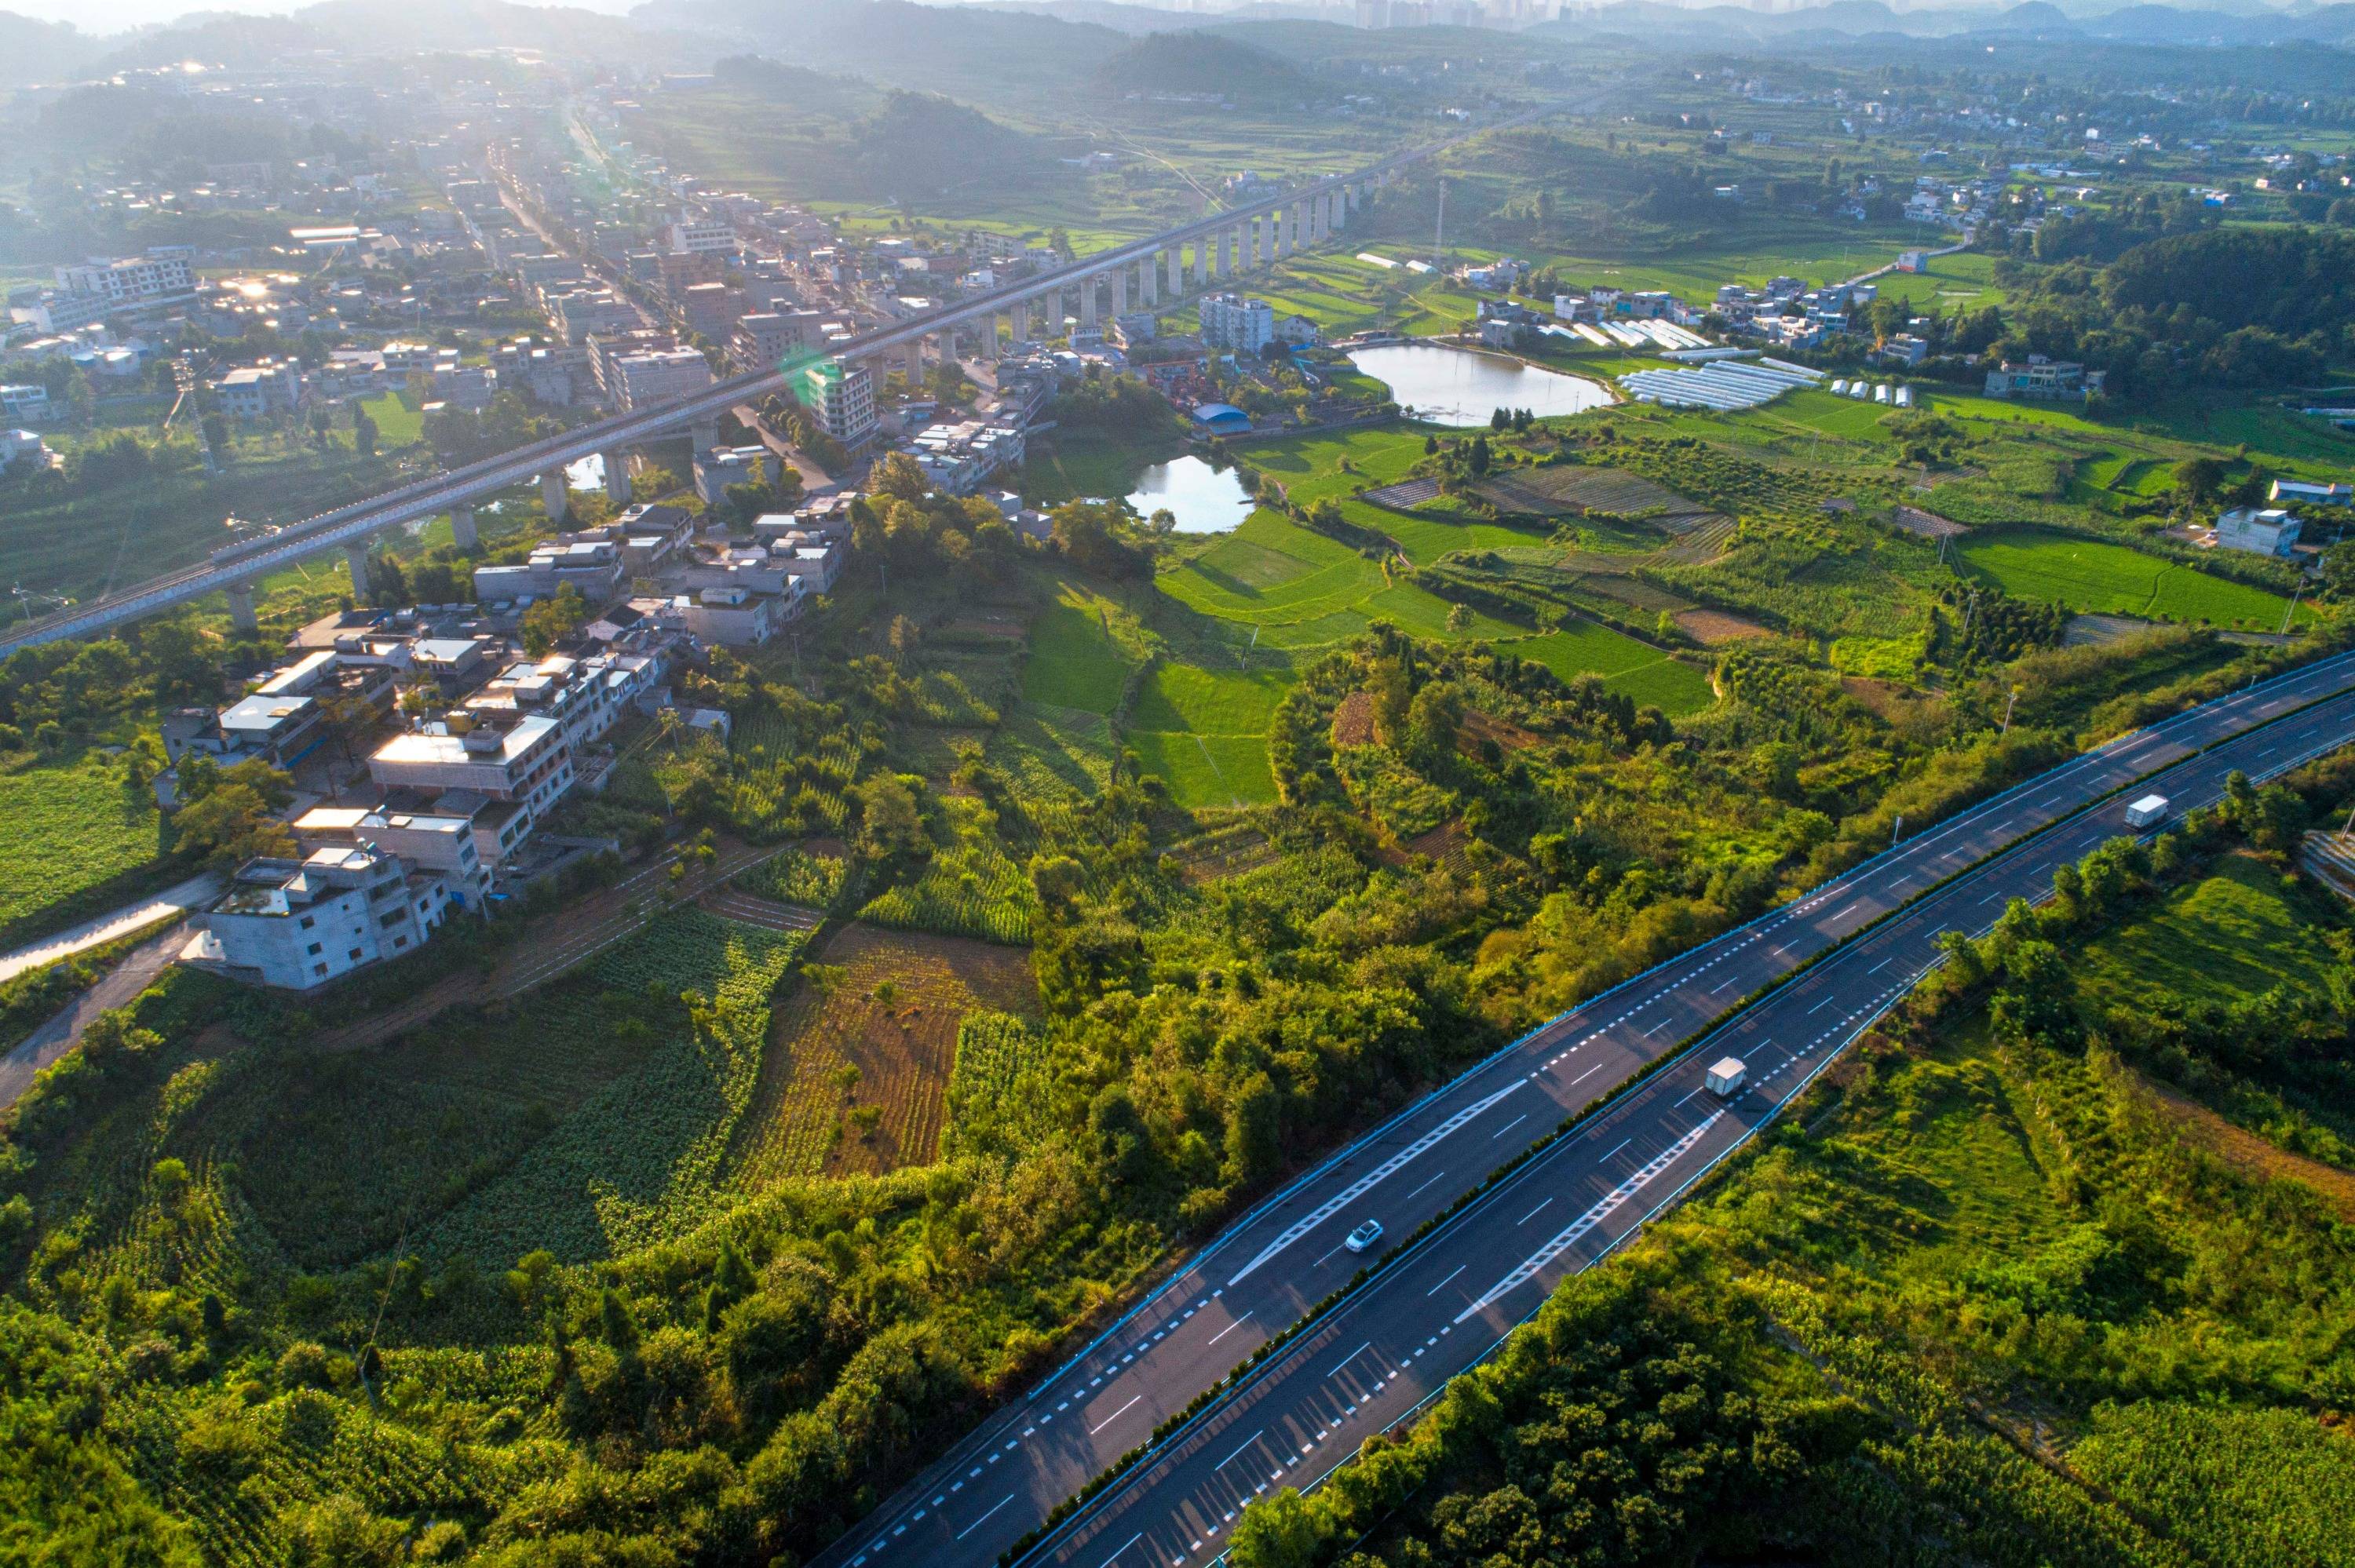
[(2007, 704), (2292, 610)]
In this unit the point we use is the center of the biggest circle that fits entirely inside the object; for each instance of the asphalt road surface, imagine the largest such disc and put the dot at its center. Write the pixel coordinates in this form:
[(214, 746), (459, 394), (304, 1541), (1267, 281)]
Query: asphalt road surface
[(1448, 1302)]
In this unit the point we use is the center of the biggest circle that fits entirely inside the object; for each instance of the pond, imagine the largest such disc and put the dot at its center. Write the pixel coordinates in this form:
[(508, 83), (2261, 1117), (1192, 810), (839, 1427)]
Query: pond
[(1461, 389), (1205, 500)]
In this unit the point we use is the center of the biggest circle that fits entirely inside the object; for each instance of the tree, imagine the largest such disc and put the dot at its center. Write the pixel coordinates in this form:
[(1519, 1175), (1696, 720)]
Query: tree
[(1057, 880), (889, 822), (1283, 1530), (230, 815), (2199, 478), (551, 621), (363, 431), (1433, 716), (897, 475)]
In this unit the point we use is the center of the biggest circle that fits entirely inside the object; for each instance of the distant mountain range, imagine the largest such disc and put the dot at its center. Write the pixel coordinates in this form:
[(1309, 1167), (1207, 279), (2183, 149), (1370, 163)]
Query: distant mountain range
[(1039, 39)]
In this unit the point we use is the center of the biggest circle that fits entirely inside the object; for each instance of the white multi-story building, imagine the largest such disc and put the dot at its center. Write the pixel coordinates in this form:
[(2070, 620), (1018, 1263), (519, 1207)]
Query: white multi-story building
[(257, 391), (299, 924), (957, 459), (163, 274), (591, 566), (2268, 530), (764, 339), (521, 763), (439, 843), (843, 396), (1238, 325), (639, 380), (692, 237)]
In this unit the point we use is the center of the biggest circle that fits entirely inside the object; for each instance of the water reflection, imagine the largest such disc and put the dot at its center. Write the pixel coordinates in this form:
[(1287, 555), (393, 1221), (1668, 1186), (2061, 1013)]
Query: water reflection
[(1461, 389), (1205, 500)]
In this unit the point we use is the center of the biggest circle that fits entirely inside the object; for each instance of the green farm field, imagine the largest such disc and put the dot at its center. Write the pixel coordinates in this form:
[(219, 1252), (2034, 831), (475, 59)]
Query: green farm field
[(1208, 771), (1208, 701), (396, 424), (1627, 667), (2093, 577), (1205, 732), (70, 826), (1074, 661), (1964, 281)]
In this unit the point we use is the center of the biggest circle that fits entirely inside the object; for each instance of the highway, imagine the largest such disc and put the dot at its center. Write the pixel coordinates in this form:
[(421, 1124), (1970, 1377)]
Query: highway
[(1448, 1300), (476, 480)]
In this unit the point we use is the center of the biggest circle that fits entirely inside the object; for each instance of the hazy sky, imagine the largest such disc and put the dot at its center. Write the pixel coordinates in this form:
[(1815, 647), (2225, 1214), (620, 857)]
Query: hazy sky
[(120, 15)]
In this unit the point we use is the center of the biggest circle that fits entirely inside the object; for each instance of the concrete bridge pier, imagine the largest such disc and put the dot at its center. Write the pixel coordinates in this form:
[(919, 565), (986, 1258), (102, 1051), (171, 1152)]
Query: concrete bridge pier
[(1148, 276), (704, 434), (240, 608), (461, 528), (1088, 303), (1340, 206), (1176, 258), (556, 495), (1120, 291), (356, 557), (1021, 319), (617, 477)]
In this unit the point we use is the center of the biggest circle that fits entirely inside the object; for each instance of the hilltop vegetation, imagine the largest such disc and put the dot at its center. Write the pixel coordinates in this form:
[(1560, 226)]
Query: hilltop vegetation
[(1203, 63)]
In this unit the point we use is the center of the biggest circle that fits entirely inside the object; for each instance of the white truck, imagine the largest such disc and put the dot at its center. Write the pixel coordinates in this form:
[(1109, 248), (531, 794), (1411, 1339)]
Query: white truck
[(1725, 1080), (2147, 811)]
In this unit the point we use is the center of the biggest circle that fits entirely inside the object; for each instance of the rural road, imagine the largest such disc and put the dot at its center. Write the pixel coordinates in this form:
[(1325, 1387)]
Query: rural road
[(134, 973), (178, 900), (1449, 1300)]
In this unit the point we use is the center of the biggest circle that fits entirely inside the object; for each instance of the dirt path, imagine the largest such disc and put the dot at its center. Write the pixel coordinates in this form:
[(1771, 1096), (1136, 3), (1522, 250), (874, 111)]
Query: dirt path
[(2247, 1153), (571, 937)]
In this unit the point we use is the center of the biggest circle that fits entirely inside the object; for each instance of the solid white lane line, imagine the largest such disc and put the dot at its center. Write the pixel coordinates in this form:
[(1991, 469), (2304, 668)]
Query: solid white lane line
[(1615, 1148), (977, 1524), (1529, 1267), (1508, 1127), (1231, 1328), (1426, 1183), (1533, 1214), (1443, 1284), (1366, 1183), (1115, 1415), (1586, 1075)]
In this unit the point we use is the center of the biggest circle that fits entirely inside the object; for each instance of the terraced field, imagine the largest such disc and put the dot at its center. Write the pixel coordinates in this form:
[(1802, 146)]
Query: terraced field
[(856, 1078)]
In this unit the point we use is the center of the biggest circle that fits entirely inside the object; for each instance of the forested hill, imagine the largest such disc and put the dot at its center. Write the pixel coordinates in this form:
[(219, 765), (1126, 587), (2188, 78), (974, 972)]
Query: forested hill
[(2191, 305), (1196, 62)]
